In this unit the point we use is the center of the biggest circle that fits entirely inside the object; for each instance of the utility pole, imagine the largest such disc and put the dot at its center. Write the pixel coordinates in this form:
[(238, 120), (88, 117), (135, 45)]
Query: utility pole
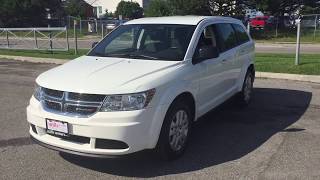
[(298, 22), (75, 37)]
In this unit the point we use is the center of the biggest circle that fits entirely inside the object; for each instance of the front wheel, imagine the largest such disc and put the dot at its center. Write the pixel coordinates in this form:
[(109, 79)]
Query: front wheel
[(175, 131)]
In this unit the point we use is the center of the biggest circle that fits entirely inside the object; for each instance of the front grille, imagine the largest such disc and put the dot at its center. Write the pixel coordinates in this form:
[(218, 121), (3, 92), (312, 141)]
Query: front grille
[(70, 103)]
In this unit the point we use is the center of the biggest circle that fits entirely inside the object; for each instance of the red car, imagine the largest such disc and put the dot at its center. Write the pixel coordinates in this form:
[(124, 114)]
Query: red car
[(259, 22)]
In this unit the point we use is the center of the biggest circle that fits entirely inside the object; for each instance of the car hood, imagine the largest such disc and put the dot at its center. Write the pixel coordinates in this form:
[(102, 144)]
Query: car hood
[(101, 75)]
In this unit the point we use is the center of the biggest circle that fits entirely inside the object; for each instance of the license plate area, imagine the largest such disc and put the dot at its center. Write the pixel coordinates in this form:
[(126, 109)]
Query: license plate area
[(55, 127)]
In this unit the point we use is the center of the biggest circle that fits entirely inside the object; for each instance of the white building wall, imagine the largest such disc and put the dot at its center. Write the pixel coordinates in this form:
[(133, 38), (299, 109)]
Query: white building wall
[(111, 5)]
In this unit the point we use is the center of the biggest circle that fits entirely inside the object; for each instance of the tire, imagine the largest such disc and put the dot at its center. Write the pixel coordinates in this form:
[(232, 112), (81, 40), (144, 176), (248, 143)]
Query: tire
[(174, 134), (244, 97)]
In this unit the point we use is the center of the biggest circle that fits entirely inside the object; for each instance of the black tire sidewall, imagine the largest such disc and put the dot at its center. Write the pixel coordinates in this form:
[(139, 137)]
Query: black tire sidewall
[(242, 93), (163, 144)]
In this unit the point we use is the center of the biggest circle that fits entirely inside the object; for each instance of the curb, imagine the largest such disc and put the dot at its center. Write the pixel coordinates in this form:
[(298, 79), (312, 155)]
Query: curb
[(282, 76), (35, 59), (293, 77)]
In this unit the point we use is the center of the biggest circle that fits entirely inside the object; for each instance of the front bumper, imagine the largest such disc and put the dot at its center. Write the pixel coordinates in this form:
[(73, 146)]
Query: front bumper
[(139, 130)]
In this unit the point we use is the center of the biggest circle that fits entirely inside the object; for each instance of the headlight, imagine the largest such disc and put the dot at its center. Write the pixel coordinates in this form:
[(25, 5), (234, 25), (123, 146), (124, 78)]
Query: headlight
[(127, 102), (37, 92)]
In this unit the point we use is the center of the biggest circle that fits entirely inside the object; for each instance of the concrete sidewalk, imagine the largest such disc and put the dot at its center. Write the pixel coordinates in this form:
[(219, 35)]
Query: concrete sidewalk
[(287, 48), (294, 77)]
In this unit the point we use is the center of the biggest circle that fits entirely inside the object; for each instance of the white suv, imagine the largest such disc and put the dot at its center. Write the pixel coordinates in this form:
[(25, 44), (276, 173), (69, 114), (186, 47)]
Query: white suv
[(143, 86)]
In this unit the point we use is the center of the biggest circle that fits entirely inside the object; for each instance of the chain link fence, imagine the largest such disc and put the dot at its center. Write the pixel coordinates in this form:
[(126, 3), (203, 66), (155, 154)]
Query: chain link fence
[(284, 30)]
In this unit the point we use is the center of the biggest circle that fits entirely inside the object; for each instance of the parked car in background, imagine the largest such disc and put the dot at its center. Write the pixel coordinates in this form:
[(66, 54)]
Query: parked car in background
[(143, 87), (259, 22)]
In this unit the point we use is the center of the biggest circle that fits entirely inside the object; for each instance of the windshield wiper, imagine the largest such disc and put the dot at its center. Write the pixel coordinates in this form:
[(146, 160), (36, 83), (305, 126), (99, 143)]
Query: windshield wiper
[(133, 56), (142, 56)]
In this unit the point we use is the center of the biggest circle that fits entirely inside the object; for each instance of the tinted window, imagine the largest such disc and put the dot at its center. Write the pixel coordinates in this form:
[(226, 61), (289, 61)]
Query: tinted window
[(228, 37), (241, 34), (208, 39)]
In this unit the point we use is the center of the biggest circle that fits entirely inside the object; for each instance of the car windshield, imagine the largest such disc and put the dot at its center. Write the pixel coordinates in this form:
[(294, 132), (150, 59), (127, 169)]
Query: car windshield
[(146, 41)]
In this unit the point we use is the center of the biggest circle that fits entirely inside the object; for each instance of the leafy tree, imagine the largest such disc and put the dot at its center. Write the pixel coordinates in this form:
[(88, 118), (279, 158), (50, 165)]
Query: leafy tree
[(75, 8), (280, 7), (230, 8), (109, 14), (130, 10), (158, 8), (189, 7), (20, 13), (311, 7)]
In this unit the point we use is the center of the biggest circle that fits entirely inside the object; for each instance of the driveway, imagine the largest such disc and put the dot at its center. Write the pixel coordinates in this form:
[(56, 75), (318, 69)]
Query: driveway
[(276, 137)]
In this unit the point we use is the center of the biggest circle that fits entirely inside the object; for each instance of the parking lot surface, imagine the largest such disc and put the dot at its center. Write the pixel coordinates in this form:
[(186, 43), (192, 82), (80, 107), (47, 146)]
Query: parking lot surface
[(276, 137)]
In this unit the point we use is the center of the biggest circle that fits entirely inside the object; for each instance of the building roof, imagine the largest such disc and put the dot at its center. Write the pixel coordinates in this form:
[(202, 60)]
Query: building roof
[(187, 20)]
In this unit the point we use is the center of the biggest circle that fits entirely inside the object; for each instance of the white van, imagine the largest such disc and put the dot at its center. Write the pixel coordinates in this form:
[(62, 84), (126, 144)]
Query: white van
[(143, 86)]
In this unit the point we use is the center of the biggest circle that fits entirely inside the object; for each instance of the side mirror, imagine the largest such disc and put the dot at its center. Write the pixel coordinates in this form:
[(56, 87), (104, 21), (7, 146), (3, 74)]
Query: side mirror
[(205, 52), (94, 44)]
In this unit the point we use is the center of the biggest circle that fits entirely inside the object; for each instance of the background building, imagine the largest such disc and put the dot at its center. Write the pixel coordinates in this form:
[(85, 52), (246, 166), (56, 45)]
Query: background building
[(100, 6)]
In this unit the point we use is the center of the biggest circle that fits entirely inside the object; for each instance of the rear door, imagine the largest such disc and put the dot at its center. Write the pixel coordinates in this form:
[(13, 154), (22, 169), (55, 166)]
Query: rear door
[(227, 43), (243, 50)]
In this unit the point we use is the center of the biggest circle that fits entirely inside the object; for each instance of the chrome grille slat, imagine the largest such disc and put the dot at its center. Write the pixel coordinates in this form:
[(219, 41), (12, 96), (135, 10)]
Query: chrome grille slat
[(75, 105)]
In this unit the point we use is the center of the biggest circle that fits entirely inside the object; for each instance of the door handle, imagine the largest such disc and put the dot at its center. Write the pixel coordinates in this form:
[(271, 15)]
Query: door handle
[(224, 60)]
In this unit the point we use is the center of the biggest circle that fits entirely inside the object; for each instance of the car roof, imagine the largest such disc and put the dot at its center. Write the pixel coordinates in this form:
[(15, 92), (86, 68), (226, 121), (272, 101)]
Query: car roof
[(184, 20)]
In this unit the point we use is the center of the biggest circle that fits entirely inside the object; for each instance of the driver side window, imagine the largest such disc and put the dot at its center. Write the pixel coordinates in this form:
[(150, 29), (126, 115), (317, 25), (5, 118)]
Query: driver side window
[(207, 45)]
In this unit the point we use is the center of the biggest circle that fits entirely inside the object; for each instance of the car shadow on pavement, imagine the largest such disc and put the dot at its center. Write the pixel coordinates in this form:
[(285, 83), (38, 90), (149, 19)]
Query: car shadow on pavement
[(225, 134)]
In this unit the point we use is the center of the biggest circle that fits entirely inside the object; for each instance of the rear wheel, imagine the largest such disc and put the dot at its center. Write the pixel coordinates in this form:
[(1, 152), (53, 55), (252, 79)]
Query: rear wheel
[(245, 96), (175, 131)]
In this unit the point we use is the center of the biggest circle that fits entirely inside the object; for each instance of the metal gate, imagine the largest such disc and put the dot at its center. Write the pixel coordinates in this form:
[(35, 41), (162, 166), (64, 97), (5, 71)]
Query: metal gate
[(50, 38)]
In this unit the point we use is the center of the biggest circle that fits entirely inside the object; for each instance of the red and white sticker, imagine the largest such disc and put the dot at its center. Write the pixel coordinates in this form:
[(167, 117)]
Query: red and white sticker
[(57, 126)]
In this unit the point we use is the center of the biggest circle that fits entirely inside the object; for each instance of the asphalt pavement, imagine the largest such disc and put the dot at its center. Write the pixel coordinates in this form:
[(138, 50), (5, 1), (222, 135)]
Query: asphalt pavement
[(276, 137)]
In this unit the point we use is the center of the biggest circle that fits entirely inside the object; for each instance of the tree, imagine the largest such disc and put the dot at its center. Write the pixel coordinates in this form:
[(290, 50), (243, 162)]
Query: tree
[(75, 8), (178, 7), (21, 13), (311, 7), (280, 7), (229, 7), (158, 8), (109, 14), (130, 10), (189, 7)]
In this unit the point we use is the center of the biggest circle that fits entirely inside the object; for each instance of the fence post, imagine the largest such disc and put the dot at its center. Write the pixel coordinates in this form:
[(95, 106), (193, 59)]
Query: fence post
[(80, 26), (50, 41), (67, 38), (75, 37), (7, 37), (315, 27), (35, 38), (96, 22), (102, 31), (297, 62), (277, 26)]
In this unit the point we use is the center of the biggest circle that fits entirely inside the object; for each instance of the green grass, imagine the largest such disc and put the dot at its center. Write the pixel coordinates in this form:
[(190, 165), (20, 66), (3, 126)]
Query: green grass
[(284, 63), (45, 54), (277, 63)]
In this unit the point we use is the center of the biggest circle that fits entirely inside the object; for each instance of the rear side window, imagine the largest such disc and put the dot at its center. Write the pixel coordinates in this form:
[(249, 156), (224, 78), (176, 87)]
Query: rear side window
[(228, 38), (241, 34)]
